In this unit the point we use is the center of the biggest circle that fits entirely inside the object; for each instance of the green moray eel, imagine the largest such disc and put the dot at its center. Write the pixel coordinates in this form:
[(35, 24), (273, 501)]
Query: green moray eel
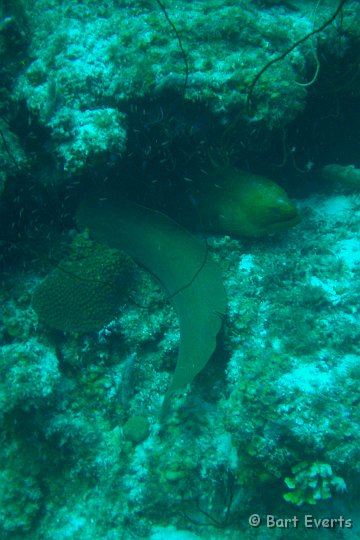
[(181, 263), (239, 203)]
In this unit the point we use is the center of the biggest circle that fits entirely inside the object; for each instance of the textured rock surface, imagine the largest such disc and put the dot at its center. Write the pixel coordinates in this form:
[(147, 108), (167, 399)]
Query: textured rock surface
[(82, 293), (283, 388), (87, 65)]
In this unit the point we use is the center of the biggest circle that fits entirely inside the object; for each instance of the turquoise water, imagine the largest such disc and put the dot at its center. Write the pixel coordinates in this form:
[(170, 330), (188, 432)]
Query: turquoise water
[(180, 262)]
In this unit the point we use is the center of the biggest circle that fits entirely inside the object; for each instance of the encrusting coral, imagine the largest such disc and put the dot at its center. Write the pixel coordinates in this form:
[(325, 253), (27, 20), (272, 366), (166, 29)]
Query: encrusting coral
[(345, 178), (82, 293), (312, 482)]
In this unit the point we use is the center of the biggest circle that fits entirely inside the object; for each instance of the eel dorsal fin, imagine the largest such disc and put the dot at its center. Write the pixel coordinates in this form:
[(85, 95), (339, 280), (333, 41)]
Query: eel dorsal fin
[(178, 260)]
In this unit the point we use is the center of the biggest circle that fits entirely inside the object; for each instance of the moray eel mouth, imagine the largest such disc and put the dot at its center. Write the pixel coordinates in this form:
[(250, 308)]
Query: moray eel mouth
[(239, 203), (281, 220), (278, 218)]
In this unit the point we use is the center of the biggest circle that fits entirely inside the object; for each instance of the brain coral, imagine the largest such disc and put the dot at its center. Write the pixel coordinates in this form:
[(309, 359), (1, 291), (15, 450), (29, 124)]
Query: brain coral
[(82, 293)]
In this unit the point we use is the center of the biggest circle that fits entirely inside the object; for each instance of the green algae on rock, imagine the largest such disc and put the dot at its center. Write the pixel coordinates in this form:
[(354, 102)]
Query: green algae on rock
[(181, 263), (241, 203), (82, 293)]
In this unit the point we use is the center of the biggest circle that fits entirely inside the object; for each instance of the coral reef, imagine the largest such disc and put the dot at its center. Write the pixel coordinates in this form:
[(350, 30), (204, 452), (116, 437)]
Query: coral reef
[(82, 293), (29, 374), (312, 483), (85, 65), (289, 396), (344, 178), (148, 96)]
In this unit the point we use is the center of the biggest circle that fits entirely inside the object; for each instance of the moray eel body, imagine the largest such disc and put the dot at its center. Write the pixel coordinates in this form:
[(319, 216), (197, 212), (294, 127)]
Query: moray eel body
[(180, 262), (239, 203)]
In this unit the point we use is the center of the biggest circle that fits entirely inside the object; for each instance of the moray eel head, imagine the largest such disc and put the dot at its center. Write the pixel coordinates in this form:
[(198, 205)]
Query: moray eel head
[(244, 204)]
